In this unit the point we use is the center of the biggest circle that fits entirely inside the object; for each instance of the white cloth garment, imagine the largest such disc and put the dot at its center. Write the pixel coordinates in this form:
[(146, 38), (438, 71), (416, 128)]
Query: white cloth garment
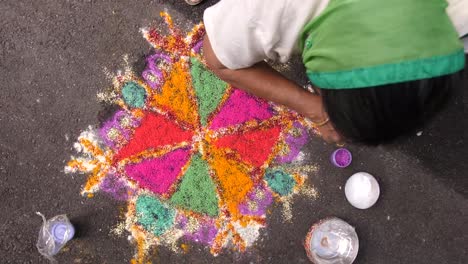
[(244, 32), (458, 12)]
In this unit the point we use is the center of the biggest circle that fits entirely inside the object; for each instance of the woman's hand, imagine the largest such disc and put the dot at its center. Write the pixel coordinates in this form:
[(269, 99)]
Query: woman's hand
[(265, 82), (314, 110), (329, 134)]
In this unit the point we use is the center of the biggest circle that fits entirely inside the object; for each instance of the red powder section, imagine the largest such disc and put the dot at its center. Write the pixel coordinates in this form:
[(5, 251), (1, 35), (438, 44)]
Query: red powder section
[(159, 174), (155, 131), (254, 146)]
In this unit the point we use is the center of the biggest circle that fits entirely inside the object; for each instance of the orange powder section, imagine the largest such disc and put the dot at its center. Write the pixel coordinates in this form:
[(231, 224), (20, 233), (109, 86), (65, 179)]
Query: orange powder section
[(233, 179), (175, 96)]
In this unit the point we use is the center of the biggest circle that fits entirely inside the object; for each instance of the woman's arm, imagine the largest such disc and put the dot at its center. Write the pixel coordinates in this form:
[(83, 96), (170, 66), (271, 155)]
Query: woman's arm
[(265, 82)]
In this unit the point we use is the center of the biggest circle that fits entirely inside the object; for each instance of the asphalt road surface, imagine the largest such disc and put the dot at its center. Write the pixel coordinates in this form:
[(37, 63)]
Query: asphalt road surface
[(52, 56)]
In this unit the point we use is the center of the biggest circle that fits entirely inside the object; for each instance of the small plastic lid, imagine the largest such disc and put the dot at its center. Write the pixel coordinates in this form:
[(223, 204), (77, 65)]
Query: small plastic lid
[(341, 158), (62, 232)]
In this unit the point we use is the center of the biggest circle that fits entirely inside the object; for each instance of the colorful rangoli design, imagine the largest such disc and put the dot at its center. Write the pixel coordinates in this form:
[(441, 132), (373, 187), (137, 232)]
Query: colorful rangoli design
[(193, 156)]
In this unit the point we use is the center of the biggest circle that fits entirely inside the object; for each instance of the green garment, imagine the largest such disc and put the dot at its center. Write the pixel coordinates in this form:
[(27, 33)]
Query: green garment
[(365, 43)]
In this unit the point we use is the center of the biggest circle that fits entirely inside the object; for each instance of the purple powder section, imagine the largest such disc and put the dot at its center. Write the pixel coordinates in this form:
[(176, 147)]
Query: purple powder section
[(153, 74), (240, 108), (205, 233), (154, 61), (111, 139), (257, 202), (116, 187), (197, 47), (154, 78), (159, 174), (295, 141), (125, 119), (181, 221), (342, 158), (117, 131)]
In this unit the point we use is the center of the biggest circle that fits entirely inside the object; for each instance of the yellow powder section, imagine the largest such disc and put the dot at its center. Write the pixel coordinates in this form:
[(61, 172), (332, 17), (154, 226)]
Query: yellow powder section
[(175, 95), (185, 247), (88, 145), (140, 257), (95, 178), (233, 179), (79, 164)]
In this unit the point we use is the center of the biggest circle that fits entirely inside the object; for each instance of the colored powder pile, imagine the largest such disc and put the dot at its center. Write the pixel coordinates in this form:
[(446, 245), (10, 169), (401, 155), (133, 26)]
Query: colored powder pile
[(240, 108), (116, 187), (342, 157), (154, 132), (117, 131), (257, 202), (192, 162), (202, 230), (134, 95), (197, 191), (153, 215), (233, 179), (176, 96), (280, 182), (159, 174), (209, 89), (155, 64), (295, 140), (253, 146)]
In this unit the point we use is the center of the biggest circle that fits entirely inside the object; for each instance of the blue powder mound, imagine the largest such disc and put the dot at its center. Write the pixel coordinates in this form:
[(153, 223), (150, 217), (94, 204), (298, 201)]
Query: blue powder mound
[(133, 94), (153, 215), (280, 182)]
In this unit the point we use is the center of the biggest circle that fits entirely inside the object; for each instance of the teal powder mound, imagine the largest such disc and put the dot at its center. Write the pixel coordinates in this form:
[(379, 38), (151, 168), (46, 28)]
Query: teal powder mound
[(197, 191), (208, 88), (153, 215), (280, 182), (133, 94)]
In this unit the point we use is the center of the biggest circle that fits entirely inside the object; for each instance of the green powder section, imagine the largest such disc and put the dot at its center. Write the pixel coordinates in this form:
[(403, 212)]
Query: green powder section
[(197, 191), (280, 182), (208, 88), (153, 215), (133, 94)]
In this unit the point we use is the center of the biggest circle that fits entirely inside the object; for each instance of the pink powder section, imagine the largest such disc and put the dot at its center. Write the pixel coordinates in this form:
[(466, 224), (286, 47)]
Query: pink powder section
[(159, 174), (240, 108)]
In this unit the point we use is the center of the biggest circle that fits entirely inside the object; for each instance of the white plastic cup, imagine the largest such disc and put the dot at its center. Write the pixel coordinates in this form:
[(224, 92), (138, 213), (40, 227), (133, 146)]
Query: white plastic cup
[(362, 190)]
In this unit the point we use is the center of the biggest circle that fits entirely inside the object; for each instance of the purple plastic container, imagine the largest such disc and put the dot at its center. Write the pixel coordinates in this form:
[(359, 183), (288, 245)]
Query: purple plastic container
[(341, 158), (61, 233)]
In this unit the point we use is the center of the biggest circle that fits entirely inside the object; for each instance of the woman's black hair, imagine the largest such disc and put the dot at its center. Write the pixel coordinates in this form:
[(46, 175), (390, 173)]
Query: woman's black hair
[(380, 114)]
